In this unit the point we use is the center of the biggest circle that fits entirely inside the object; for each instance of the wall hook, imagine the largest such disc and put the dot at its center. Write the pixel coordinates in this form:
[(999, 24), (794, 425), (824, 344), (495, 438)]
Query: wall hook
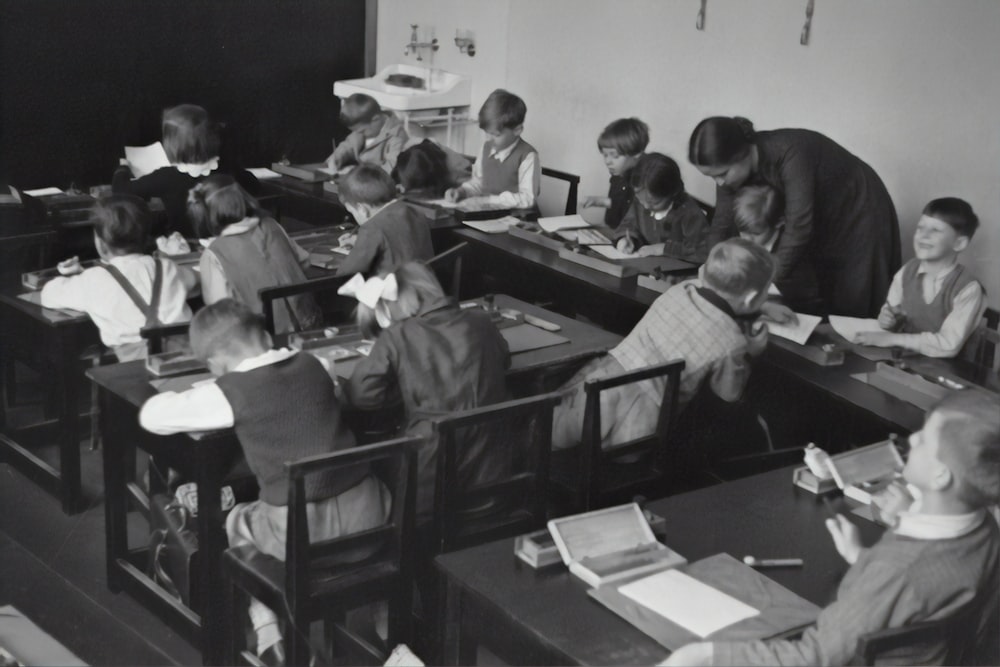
[(700, 21), (804, 38)]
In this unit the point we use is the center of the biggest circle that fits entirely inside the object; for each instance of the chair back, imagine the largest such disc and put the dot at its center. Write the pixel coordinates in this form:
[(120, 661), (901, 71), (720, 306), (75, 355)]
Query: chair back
[(574, 186), (447, 266), (985, 341), (156, 335), (332, 305), (502, 494)]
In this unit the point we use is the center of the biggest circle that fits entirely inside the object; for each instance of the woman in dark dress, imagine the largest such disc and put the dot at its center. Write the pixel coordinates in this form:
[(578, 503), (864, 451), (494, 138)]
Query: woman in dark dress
[(838, 215)]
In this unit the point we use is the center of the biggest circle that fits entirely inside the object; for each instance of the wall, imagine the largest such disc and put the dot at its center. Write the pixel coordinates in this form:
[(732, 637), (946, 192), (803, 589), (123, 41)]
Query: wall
[(908, 85)]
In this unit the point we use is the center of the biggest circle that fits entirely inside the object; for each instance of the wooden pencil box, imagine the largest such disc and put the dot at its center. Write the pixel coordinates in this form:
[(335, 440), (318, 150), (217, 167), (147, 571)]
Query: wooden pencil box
[(173, 363)]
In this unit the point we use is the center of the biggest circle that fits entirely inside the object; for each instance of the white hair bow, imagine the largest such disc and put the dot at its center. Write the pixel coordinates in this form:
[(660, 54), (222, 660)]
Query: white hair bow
[(371, 291)]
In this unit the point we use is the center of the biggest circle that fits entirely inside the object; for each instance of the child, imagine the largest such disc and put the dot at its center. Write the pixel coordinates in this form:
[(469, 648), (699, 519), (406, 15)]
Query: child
[(621, 143), (709, 322), (934, 303), (191, 142), (390, 231), (507, 173), (421, 172), (758, 211), (376, 137), (283, 407), (941, 554), (248, 251), (434, 357), (127, 290), (663, 219)]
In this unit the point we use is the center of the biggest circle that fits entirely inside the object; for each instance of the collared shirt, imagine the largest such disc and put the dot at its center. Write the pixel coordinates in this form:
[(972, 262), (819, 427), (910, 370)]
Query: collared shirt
[(938, 526), (529, 177), (965, 314)]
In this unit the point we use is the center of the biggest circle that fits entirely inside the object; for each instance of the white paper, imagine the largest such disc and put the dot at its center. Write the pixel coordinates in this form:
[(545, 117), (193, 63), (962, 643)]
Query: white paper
[(43, 192), (495, 226), (263, 173), (146, 159), (799, 333), (444, 203), (562, 222), (611, 252), (689, 603), (849, 327)]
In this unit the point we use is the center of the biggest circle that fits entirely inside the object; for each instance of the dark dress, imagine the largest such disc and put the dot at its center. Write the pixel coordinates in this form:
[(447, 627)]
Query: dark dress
[(620, 193), (838, 216)]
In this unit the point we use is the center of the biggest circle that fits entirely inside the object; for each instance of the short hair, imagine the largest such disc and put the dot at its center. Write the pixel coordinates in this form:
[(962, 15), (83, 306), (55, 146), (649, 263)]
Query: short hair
[(122, 222), (189, 135), (217, 202), (357, 109), (757, 208), (969, 444), (502, 110), (418, 287), (956, 212), (719, 141), (422, 167), (366, 184), (659, 175), (736, 266), (225, 326), (628, 136)]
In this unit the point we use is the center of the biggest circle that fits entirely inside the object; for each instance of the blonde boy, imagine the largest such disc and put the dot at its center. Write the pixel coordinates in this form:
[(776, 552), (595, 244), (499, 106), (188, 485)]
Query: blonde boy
[(377, 136)]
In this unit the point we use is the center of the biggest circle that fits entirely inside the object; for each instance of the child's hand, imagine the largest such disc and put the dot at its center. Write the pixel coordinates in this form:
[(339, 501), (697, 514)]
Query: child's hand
[(892, 500), (891, 317), (69, 267), (348, 239), (654, 249), (875, 338), (454, 195), (702, 653), (175, 244), (595, 201), (626, 244), (757, 338), (778, 313), (845, 537)]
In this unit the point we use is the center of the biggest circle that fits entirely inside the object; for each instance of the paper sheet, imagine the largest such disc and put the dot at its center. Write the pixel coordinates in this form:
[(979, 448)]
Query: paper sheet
[(798, 333), (495, 226), (558, 222), (611, 252), (689, 603), (146, 159), (43, 192), (444, 203), (263, 173), (849, 327)]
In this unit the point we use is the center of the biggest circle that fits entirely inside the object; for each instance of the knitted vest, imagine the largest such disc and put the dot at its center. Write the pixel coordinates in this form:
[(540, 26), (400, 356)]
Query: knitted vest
[(499, 177), (286, 411), (922, 316)]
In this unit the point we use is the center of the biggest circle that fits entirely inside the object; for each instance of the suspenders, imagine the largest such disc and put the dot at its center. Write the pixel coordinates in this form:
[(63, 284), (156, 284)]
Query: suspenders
[(150, 310)]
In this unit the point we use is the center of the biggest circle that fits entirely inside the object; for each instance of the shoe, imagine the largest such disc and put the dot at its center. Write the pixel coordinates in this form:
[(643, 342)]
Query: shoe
[(274, 655)]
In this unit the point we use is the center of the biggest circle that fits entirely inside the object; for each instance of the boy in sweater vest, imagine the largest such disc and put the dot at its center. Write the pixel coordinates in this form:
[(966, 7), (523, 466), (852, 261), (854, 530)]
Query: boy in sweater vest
[(507, 172), (283, 408), (934, 303), (942, 554)]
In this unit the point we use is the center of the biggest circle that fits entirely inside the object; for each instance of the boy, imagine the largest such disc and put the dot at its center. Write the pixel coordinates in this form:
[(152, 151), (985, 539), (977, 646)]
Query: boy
[(390, 233), (128, 290), (507, 173), (709, 322), (283, 407), (377, 137), (942, 552), (621, 143), (934, 303)]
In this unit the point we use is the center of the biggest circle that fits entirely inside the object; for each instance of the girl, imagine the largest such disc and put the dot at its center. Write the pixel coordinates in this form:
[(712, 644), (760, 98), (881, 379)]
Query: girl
[(433, 356), (422, 171), (621, 143), (838, 214), (248, 252), (663, 219)]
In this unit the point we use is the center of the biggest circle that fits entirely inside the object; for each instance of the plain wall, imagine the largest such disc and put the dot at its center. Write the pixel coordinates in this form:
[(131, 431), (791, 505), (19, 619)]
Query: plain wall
[(910, 86)]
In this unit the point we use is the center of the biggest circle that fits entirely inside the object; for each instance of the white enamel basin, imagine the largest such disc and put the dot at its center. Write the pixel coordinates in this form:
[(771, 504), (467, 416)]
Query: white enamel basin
[(441, 89)]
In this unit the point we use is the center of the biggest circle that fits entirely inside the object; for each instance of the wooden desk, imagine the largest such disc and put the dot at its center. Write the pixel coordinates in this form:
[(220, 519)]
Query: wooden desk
[(51, 342), (545, 617)]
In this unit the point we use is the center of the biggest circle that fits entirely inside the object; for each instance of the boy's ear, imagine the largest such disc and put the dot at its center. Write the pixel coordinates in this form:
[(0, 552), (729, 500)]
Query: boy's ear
[(518, 130), (701, 273), (748, 299), (942, 478), (961, 243)]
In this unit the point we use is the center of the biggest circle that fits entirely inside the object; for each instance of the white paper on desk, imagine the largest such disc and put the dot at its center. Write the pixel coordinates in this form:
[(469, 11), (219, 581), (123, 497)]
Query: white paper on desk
[(144, 160), (849, 327), (495, 226), (443, 203), (558, 222), (43, 192), (263, 173), (611, 252), (798, 333), (689, 603)]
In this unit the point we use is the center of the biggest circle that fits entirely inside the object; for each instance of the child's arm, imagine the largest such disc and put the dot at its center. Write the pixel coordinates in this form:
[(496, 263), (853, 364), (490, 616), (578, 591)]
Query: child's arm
[(201, 408), (472, 187), (363, 256), (214, 285), (393, 147), (74, 292), (628, 237), (596, 201), (373, 381), (688, 236), (891, 317), (346, 153)]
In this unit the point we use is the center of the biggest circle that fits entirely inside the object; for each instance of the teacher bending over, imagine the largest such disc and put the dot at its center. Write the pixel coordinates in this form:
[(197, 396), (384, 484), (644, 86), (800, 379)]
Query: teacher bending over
[(838, 216)]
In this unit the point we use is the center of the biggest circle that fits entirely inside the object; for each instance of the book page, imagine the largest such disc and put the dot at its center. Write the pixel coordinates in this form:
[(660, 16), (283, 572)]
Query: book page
[(558, 222), (798, 333), (263, 173), (144, 160), (682, 599), (43, 192), (849, 327)]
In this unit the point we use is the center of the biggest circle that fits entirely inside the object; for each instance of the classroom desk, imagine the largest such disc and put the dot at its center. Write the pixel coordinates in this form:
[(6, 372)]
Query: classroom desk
[(50, 341), (545, 617)]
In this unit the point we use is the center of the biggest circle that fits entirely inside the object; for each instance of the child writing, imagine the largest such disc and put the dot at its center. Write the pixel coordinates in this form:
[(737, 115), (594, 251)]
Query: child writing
[(248, 251), (390, 231), (934, 302), (621, 143), (709, 322), (128, 290), (941, 555), (663, 219), (283, 407), (377, 137), (421, 172), (435, 358), (507, 172)]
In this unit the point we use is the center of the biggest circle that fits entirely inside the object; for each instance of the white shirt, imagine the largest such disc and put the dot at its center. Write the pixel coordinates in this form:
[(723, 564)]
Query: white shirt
[(98, 294), (529, 177), (938, 526)]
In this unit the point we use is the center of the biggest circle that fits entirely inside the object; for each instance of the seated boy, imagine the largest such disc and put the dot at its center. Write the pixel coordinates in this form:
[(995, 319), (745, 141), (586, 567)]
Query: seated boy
[(377, 137), (709, 322), (621, 143), (128, 290), (942, 553), (934, 303), (283, 407), (507, 173), (391, 232)]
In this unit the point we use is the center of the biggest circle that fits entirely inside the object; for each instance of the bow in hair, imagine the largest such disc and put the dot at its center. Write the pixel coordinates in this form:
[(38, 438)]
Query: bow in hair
[(371, 291)]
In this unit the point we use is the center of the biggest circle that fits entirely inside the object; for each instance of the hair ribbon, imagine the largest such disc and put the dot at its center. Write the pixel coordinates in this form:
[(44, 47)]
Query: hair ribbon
[(371, 291)]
